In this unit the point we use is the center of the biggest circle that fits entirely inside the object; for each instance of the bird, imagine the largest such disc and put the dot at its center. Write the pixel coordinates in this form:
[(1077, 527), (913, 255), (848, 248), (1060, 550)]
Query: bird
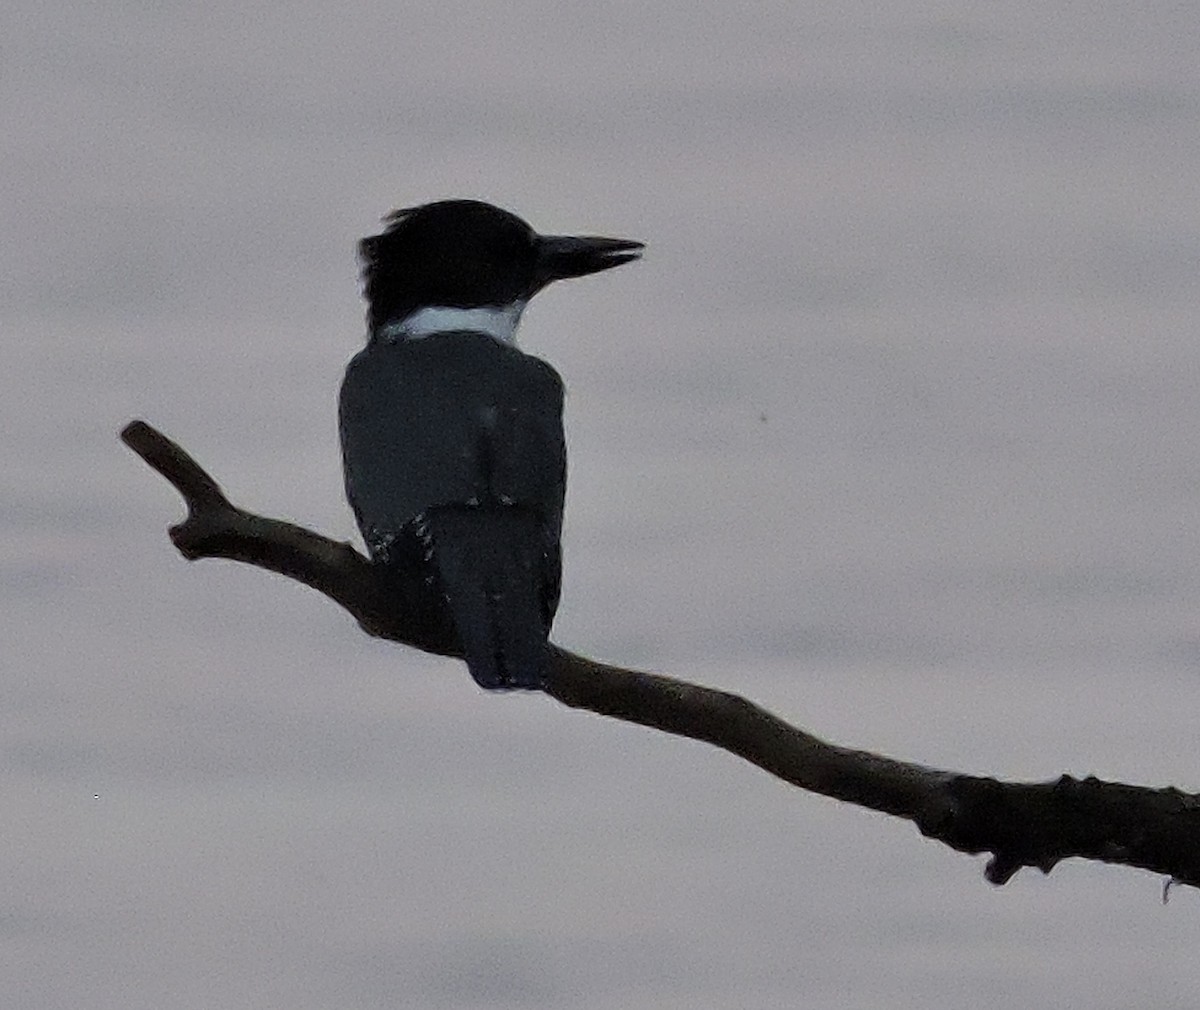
[(452, 440)]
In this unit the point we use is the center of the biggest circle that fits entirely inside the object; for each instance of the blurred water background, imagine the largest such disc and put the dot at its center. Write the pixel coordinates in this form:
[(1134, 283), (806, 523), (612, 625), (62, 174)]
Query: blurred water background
[(893, 431)]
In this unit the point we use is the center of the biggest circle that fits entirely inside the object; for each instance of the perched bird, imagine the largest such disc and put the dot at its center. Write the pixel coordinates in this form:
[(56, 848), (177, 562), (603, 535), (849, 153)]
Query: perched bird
[(452, 437)]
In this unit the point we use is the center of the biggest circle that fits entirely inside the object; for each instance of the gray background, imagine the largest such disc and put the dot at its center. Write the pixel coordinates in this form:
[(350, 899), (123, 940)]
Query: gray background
[(893, 431)]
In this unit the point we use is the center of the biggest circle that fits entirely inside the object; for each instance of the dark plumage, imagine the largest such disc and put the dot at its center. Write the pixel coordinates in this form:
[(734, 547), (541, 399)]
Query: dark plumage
[(452, 438)]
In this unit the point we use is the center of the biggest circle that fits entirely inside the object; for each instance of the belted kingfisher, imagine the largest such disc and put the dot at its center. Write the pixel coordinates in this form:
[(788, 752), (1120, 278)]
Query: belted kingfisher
[(452, 437)]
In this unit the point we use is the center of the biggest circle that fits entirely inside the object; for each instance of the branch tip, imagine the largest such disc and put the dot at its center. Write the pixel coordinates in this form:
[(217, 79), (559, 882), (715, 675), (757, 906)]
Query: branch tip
[(183, 473)]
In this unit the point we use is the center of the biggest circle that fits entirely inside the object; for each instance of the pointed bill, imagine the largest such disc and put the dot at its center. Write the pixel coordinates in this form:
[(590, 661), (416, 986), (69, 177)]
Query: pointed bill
[(563, 256)]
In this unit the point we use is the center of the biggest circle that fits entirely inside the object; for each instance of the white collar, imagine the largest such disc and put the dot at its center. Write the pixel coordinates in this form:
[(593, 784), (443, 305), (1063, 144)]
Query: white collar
[(498, 321)]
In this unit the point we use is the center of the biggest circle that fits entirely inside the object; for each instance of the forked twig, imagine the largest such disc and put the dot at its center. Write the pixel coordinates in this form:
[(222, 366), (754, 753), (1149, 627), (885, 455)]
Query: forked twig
[(1019, 823)]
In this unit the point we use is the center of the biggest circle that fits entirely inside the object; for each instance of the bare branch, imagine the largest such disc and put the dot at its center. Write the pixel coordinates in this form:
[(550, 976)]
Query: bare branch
[(1021, 824)]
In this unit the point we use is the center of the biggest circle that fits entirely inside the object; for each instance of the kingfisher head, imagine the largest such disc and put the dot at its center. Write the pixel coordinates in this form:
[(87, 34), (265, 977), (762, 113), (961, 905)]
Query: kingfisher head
[(464, 264)]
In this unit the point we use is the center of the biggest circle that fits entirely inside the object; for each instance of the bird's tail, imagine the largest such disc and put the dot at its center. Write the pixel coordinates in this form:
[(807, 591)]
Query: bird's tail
[(489, 563)]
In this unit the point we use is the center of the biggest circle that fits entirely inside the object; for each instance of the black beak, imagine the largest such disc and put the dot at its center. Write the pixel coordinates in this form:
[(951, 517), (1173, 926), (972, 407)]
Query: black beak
[(562, 256)]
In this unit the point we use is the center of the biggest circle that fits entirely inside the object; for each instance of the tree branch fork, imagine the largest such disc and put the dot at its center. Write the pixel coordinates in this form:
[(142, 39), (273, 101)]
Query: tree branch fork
[(1020, 823)]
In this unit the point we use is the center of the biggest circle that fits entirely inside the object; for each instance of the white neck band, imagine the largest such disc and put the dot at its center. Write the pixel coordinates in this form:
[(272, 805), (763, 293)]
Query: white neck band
[(498, 321)]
